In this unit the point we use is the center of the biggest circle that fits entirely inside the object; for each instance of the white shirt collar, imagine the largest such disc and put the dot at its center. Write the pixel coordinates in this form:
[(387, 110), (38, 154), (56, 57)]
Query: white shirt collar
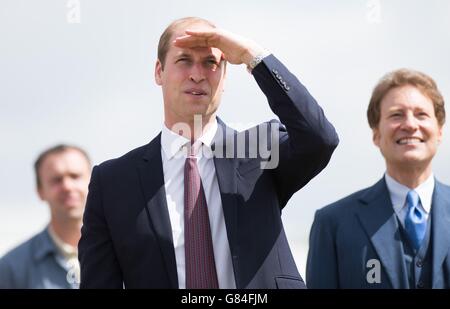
[(63, 248), (172, 143), (399, 191)]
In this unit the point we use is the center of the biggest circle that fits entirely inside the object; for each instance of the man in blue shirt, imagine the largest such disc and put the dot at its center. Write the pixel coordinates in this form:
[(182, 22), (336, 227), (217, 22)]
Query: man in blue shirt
[(49, 259)]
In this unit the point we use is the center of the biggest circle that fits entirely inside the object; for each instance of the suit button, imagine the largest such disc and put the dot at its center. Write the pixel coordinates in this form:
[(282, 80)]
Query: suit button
[(420, 284), (278, 76), (275, 72), (419, 263)]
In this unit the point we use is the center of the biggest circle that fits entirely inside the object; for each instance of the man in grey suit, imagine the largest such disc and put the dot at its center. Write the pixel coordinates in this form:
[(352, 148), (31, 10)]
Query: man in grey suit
[(50, 258), (395, 234)]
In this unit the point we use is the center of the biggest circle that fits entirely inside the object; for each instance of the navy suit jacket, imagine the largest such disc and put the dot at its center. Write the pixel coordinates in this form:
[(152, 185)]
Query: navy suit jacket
[(127, 236), (363, 226)]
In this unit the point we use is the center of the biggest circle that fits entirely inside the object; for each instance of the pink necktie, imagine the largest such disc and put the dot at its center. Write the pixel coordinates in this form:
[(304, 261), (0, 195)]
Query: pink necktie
[(199, 254)]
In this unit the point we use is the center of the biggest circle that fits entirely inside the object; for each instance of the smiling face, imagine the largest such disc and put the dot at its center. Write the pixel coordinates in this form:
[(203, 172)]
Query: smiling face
[(408, 132), (191, 79)]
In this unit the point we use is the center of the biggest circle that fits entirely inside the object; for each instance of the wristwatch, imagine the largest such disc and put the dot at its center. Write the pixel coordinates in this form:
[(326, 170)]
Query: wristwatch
[(256, 60)]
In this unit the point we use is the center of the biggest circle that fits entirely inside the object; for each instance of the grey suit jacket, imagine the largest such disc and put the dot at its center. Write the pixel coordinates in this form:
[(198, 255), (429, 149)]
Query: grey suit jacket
[(363, 226), (33, 265)]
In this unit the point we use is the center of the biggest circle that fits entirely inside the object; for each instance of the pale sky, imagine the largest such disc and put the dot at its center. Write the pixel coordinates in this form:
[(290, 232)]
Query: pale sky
[(91, 83)]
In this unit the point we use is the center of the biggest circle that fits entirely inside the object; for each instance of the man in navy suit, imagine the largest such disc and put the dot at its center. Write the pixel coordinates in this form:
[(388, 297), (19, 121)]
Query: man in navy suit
[(395, 234), (193, 208)]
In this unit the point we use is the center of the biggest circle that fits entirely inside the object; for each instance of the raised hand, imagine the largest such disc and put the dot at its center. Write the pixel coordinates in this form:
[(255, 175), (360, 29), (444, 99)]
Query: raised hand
[(236, 49)]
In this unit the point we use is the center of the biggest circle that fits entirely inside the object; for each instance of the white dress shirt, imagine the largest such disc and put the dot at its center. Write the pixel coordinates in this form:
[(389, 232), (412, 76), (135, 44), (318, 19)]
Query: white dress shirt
[(398, 193), (173, 153)]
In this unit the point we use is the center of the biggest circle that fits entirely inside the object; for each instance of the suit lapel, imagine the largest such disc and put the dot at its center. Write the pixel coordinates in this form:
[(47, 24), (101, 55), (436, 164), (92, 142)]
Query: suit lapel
[(226, 178), (152, 182), (440, 224), (378, 219)]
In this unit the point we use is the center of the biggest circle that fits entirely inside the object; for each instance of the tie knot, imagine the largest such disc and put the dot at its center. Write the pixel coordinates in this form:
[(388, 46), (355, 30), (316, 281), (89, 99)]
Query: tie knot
[(193, 148), (412, 199), (415, 220)]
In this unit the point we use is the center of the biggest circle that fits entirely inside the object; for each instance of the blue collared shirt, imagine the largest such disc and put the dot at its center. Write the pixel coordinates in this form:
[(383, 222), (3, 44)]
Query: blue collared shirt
[(398, 192), (35, 264)]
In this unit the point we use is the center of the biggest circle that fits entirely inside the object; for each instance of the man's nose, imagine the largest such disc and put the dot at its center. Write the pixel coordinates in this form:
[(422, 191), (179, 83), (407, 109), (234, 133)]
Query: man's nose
[(197, 73), (67, 183), (410, 122)]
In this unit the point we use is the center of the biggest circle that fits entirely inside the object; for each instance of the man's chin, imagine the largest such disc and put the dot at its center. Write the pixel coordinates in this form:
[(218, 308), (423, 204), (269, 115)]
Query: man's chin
[(75, 215), (413, 159)]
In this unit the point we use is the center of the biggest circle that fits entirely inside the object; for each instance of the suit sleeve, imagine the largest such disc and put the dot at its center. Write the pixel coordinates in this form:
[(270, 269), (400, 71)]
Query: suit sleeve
[(321, 267), (98, 262), (306, 138)]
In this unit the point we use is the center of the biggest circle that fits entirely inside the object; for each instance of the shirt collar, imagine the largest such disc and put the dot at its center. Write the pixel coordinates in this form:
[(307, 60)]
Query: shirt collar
[(172, 142), (66, 250), (399, 191), (43, 245)]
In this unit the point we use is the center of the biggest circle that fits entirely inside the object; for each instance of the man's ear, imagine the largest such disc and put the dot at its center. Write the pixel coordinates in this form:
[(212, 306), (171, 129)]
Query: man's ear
[(40, 193), (439, 138), (224, 73), (224, 68), (158, 72), (376, 136)]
